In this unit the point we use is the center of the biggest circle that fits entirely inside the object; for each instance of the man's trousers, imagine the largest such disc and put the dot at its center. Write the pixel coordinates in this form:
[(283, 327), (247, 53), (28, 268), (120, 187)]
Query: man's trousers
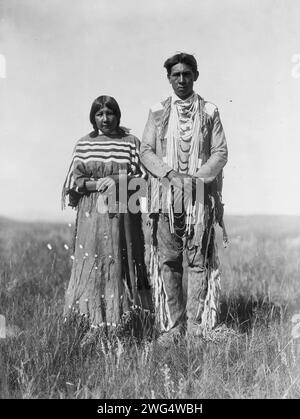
[(172, 248)]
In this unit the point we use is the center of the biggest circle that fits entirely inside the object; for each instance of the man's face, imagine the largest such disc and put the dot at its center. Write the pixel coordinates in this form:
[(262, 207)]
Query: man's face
[(182, 80)]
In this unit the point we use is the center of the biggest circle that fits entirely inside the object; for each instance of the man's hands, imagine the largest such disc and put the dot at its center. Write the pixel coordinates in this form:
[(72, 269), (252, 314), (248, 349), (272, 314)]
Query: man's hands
[(183, 188)]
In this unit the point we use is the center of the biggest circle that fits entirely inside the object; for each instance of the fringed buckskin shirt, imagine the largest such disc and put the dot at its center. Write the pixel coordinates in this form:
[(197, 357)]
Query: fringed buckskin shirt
[(213, 146)]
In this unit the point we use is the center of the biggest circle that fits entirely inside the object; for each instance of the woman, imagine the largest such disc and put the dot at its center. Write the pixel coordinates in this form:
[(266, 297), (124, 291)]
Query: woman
[(108, 281)]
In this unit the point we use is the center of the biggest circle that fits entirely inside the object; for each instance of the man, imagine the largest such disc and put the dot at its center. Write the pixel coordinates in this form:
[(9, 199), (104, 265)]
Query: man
[(184, 140)]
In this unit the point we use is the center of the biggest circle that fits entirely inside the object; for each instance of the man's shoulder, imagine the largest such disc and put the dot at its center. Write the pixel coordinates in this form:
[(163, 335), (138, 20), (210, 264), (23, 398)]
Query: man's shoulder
[(159, 106), (157, 110), (209, 108)]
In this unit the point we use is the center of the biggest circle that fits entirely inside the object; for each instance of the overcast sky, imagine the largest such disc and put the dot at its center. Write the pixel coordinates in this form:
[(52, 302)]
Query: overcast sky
[(61, 55)]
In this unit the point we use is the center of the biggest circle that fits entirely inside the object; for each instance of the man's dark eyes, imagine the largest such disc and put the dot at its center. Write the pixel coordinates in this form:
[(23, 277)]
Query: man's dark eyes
[(178, 74)]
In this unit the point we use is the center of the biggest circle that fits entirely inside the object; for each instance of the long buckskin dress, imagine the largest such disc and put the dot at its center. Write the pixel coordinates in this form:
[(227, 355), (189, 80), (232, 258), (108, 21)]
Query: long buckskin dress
[(108, 278)]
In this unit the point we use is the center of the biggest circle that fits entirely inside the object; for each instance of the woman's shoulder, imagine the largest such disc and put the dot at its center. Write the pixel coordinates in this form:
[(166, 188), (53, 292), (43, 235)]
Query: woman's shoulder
[(132, 139), (87, 138), (124, 137)]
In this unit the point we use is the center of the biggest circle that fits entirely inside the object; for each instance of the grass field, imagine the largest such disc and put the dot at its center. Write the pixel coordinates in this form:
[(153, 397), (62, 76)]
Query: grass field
[(41, 356)]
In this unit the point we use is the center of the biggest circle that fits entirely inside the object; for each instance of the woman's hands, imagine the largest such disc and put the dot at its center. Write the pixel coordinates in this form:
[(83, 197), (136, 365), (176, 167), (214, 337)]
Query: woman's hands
[(101, 185), (105, 184)]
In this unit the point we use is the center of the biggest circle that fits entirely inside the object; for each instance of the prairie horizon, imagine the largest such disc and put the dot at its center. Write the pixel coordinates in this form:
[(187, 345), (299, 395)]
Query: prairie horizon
[(232, 220)]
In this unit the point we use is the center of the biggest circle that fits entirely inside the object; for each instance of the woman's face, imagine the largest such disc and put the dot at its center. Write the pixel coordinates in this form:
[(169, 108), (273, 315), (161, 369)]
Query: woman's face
[(106, 121)]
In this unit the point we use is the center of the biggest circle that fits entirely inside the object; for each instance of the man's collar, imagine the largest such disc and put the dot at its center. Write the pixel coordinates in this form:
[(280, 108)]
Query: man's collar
[(175, 98)]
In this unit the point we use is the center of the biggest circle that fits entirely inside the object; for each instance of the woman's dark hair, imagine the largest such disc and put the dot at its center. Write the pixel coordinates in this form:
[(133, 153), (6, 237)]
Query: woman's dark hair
[(181, 58), (99, 103)]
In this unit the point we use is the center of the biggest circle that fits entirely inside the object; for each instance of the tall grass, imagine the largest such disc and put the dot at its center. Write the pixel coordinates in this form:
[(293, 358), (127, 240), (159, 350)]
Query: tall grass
[(42, 356)]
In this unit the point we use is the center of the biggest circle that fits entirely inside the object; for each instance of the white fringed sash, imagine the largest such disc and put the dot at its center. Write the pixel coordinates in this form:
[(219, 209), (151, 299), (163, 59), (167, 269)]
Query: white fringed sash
[(185, 122)]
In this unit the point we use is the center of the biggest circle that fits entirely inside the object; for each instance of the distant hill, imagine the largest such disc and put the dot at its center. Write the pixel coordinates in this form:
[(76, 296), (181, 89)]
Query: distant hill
[(235, 224), (10, 229), (6, 222), (259, 224)]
